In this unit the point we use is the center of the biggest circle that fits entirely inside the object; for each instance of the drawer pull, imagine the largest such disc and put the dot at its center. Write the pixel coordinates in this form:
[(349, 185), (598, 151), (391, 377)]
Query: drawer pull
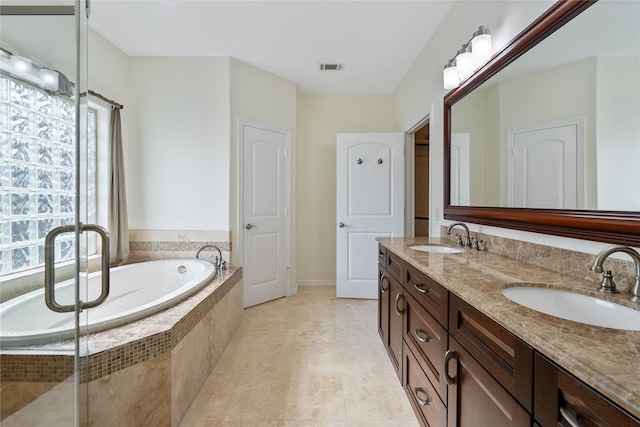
[(447, 357), (423, 402), (382, 288), (422, 335), (381, 255), (420, 288), (398, 311)]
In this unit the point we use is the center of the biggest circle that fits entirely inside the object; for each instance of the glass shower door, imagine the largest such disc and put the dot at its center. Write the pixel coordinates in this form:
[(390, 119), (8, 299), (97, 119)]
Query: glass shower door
[(45, 177)]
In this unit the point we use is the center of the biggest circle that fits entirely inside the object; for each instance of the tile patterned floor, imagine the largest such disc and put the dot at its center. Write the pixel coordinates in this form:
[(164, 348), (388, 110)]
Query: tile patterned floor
[(311, 360)]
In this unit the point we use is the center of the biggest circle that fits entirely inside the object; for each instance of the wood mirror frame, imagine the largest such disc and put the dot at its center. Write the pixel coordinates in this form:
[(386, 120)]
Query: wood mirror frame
[(605, 226)]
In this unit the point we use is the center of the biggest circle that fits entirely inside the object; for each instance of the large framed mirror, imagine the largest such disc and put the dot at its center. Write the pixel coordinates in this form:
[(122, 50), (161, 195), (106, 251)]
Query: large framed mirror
[(546, 136)]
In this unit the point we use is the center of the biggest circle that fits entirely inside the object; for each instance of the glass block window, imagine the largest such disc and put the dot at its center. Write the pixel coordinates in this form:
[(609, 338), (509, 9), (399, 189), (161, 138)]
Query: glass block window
[(37, 174)]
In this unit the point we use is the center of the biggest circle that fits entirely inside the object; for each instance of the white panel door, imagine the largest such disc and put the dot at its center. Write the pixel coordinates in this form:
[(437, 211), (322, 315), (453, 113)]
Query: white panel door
[(460, 167), (265, 214), (546, 167), (370, 204)]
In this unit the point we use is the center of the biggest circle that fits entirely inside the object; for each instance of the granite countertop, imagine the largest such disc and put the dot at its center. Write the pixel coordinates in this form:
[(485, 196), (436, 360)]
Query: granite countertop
[(604, 358)]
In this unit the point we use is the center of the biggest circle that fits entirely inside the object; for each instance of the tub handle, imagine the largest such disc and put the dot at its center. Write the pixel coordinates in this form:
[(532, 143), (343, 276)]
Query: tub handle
[(49, 267)]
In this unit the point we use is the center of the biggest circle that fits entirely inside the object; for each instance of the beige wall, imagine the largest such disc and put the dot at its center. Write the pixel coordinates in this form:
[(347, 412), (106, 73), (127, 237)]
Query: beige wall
[(177, 152), (109, 71), (320, 118)]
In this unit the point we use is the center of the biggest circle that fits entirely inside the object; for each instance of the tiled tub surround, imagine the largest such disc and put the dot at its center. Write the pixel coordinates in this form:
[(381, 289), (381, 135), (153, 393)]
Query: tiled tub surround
[(144, 373), (146, 245), (603, 358)]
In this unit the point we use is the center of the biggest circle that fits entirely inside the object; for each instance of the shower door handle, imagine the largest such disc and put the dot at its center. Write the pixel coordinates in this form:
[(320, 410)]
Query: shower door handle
[(104, 234), (49, 267)]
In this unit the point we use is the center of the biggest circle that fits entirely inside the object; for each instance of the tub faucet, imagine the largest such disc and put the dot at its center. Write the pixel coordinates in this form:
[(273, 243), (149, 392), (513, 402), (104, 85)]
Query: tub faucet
[(467, 237), (220, 263), (604, 254)]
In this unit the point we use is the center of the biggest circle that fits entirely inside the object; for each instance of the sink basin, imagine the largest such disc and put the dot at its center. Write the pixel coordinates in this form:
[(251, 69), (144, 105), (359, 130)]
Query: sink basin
[(576, 307), (436, 249)]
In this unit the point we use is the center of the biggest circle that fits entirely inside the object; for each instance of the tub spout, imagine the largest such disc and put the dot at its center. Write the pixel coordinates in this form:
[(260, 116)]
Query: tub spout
[(220, 263)]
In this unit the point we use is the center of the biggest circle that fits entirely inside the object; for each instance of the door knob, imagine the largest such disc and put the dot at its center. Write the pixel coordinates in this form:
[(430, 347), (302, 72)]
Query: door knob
[(250, 226), (341, 225)]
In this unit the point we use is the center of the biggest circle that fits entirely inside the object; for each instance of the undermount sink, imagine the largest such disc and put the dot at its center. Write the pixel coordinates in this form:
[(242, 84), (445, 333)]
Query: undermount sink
[(436, 249), (576, 307)]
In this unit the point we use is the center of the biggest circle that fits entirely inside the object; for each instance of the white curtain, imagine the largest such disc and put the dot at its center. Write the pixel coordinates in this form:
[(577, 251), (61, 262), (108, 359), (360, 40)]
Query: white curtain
[(118, 223)]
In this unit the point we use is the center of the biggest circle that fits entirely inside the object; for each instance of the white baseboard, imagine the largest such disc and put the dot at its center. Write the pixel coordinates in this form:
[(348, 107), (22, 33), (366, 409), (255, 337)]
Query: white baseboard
[(317, 283)]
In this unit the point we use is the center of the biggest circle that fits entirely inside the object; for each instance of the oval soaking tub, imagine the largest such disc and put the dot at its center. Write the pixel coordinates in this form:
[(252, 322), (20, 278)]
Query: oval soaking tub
[(136, 291)]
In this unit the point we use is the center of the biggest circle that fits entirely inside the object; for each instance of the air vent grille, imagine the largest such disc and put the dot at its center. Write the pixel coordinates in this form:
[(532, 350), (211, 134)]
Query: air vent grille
[(331, 67)]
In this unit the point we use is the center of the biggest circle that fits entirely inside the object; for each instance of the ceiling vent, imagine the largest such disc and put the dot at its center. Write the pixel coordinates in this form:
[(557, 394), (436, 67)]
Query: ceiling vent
[(331, 67)]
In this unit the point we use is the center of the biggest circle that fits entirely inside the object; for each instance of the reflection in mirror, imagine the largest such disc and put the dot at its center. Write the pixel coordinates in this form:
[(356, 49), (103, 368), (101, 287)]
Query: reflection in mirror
[(559, 127)]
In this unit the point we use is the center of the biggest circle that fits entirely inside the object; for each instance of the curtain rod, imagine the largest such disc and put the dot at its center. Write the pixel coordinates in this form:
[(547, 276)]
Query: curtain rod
[(107, 100)]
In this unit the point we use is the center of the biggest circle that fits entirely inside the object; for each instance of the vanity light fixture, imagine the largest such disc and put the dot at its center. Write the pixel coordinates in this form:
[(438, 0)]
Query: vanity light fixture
[(473, 55), (26, 70)]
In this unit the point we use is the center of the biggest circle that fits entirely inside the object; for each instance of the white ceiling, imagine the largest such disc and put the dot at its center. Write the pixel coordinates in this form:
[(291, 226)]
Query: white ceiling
[(376, 40)]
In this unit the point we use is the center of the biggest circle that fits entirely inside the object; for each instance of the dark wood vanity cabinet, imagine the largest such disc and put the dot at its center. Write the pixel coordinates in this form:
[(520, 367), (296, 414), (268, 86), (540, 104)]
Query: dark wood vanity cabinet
[(459, 368), (559, 395), (390, 308)]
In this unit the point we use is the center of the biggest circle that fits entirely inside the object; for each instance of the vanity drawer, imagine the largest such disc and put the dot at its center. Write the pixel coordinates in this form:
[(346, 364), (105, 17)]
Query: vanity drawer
[(394, 265), (427, 339), (429, 293), (382, 255), (506, 357), (423, 397)]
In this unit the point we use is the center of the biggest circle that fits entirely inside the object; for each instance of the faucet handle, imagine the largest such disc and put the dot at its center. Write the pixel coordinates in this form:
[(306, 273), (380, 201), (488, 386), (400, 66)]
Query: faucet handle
[(608, 285), (458, 240), (475, 243)]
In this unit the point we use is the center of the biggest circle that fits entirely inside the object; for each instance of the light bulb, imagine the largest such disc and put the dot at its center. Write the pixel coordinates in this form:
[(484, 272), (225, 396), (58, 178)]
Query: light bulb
[(20, 64), (481, 47), (464, 63), (49, 78), (450, 75)]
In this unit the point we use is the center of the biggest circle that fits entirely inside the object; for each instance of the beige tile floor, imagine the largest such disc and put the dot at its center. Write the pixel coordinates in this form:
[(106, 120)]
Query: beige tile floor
[(309, 360)]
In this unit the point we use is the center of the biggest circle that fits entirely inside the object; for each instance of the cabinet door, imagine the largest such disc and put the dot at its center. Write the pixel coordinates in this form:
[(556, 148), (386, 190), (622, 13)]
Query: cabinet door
[(558, 394), (383, 305), (396, 318), (476, 398)]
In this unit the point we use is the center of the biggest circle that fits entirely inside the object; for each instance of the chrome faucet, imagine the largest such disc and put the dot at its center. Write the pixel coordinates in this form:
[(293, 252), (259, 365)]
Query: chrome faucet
[(220, 263), (607, 282), (467, 237)]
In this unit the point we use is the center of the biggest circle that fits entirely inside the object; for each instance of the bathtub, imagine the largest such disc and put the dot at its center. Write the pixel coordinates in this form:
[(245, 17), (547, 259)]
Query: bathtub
[(136, 291)]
